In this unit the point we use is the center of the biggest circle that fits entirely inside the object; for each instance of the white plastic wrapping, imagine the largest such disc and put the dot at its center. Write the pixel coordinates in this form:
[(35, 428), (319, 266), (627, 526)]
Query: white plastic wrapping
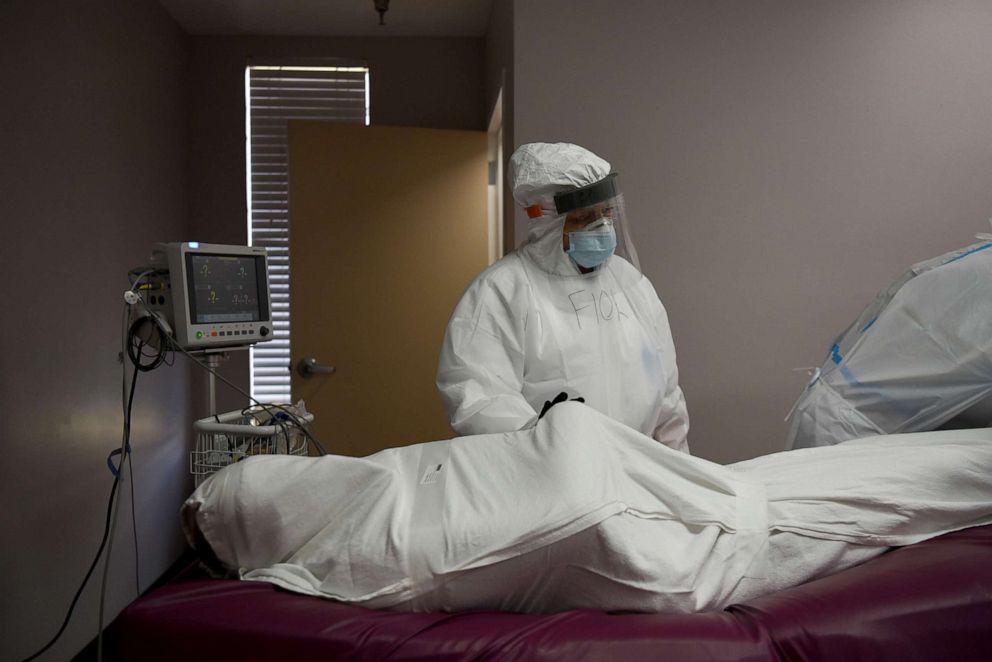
[(918, 356), (582, 511)]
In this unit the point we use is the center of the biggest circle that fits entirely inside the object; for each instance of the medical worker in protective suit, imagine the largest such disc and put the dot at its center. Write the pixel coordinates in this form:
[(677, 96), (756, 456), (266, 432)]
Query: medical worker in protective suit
[(568, 312)]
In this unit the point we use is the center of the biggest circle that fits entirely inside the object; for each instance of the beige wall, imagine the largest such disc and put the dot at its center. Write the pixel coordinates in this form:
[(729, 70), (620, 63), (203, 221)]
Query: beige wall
[(420, 82), (782, 161), (93, 168)]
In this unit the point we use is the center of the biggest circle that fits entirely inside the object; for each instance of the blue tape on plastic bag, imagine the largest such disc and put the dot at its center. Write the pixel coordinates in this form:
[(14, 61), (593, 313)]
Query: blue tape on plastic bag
[(972, 251)]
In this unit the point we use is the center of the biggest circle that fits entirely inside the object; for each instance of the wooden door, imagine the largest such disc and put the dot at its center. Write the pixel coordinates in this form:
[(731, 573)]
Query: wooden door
[(388, 225)]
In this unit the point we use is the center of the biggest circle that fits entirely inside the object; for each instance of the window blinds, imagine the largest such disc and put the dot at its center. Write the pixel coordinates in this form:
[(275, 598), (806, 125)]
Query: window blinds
[(275, 93)]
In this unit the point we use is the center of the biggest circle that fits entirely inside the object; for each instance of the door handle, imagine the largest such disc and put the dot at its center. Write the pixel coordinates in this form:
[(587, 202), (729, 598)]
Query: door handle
[(308, 367)]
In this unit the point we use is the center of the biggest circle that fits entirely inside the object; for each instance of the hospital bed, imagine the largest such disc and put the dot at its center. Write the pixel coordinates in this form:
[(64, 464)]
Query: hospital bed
[(928, 601)]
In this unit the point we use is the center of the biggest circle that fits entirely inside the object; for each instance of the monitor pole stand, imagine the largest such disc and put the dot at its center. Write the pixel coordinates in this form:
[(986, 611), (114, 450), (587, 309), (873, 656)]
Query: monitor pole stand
[(214, 358)]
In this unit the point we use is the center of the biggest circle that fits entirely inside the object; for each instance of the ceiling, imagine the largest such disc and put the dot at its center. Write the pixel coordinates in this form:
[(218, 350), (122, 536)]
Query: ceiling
[(353, 18)]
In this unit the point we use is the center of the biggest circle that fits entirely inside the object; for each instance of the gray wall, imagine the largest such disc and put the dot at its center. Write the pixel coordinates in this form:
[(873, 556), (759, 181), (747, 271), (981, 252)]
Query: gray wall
[(92, 128), (423, 82), (499, 77), (782, 162)]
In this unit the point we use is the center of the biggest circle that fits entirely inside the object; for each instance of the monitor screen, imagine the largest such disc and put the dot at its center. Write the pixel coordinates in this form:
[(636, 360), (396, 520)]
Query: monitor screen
[(226, 288)]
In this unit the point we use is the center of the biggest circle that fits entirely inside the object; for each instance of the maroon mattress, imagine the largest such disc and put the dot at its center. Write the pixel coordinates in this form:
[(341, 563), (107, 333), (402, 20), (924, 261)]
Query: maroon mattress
[(929, 601)]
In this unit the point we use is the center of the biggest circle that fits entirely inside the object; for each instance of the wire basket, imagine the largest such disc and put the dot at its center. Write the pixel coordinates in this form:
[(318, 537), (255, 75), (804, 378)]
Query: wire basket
[(262, 430)]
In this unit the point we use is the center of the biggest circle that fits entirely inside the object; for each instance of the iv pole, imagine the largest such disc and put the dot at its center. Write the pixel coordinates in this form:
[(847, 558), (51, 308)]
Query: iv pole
[(213, 362), (213, 359)]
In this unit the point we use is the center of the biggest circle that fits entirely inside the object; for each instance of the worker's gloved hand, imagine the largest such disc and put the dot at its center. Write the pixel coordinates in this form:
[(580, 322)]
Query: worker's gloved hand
[(561, 397)]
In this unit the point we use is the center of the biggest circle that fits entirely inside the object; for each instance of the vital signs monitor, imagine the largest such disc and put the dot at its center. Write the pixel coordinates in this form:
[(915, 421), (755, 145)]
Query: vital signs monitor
[(215, 295)]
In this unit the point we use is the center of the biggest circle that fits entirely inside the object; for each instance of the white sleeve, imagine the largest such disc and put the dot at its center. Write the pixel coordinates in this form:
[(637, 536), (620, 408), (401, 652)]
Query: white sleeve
[(672, 428), (481, 365)]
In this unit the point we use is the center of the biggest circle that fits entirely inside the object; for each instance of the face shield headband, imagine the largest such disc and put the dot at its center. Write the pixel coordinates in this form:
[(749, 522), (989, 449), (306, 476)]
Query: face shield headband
[(587, 196)]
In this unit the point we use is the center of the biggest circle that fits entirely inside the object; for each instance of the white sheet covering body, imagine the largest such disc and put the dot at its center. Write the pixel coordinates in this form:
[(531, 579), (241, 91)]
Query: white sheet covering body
[(582, 511), (915, 358)]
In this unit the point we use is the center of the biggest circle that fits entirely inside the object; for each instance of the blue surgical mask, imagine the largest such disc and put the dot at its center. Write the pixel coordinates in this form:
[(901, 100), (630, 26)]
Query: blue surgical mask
[(591, 248)]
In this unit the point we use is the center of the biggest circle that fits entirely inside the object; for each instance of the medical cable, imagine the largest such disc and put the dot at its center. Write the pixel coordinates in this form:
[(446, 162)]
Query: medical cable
[(136, 282), (164, 335), (106, 531), (136, 344), (165, 338), (265, 407), (273, 420), (125, 453), (134, 348), (134, 527), (130, 466), (106, 567)]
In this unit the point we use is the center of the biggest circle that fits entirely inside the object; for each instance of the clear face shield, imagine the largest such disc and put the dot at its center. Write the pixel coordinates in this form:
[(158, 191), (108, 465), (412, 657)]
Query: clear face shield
[(596, 225)]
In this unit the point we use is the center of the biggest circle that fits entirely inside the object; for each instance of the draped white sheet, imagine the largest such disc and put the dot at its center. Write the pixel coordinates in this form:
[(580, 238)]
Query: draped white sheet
[(581, 511)]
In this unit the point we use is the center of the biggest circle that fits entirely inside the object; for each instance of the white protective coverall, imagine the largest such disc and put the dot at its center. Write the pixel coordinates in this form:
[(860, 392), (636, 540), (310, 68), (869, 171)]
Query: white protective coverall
[(532, 325), (915, 358), (582, 511)]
